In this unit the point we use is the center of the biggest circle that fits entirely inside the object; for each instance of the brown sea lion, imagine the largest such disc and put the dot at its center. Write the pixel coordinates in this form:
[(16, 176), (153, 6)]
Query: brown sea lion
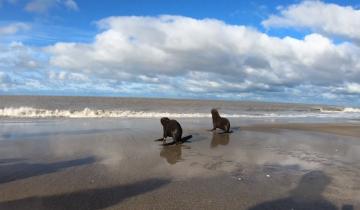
[(171, 128), (220, 122)]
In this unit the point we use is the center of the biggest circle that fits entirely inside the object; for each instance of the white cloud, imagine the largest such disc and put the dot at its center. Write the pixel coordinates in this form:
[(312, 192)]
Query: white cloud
[(352, 88), (43, 6), (71, 4), (19, 57), (14, 28), (39, 6), (321, 17), (67, 76), (330, 96), (207, 55)]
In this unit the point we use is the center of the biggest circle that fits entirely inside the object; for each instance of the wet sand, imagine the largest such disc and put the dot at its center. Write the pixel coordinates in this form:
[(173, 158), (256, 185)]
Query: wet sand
[(116, 164), (346, 129)]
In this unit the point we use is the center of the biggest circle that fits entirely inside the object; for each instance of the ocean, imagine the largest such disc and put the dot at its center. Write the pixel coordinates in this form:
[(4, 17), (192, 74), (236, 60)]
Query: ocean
[(112, 107)]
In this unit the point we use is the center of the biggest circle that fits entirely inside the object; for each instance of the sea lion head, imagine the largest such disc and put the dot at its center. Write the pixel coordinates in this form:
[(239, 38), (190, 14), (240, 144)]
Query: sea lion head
[(215, 113), (164, 120)]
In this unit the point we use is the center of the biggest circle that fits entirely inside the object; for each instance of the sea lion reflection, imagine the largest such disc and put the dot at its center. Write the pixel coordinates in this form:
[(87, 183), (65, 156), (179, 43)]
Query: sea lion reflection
[(220, 139), (172, 153)]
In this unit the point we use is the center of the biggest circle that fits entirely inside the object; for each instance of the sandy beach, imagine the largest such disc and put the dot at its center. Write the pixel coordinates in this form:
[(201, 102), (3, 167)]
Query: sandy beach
[(116, 164)]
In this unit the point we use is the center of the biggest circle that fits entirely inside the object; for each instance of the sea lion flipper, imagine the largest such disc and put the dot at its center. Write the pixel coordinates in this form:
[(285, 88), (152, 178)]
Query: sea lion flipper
[(186, 138)]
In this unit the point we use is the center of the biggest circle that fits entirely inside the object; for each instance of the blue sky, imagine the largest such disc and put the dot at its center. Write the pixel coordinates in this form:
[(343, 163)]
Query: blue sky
[(289, 51), (80, 21)]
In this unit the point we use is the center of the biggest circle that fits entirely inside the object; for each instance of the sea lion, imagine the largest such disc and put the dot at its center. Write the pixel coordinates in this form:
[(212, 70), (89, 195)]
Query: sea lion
[(171, 128), (220, 122)]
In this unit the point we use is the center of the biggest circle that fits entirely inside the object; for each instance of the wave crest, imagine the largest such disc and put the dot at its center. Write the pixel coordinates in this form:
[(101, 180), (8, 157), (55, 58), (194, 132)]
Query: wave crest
[(30, 112), (344, 110)]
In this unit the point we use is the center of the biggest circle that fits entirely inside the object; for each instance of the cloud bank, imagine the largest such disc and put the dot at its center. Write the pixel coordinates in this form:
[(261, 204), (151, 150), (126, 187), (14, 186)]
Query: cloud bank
[(209, 56)]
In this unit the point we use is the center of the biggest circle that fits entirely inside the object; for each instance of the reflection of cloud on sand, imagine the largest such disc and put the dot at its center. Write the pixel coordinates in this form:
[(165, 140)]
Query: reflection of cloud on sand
[(307, 195)]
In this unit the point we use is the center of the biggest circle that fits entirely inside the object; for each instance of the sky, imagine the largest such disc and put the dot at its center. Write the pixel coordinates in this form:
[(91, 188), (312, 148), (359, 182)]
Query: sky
[(284, 51)]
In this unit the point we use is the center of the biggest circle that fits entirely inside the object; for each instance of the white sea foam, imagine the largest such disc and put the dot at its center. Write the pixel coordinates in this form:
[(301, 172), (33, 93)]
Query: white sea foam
[(30, 112), (344, 110), (348, 109)]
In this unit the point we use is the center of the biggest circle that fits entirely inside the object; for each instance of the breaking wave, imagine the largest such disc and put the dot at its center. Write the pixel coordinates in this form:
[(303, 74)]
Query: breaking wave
[(344, 110), (30, 112), (351, 110)]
